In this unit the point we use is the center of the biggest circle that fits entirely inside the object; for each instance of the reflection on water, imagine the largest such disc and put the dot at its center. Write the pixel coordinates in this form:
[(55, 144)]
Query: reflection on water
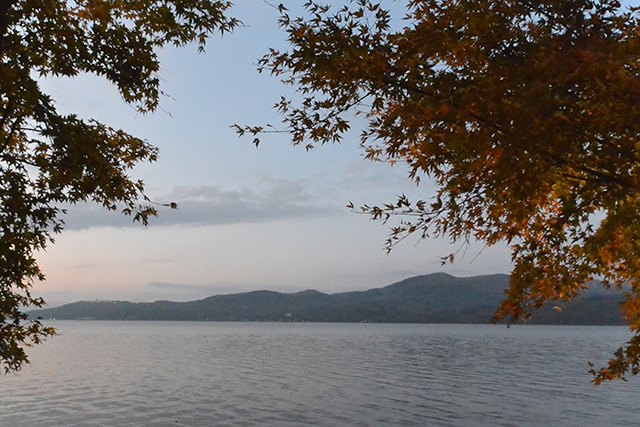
[(202, 374)]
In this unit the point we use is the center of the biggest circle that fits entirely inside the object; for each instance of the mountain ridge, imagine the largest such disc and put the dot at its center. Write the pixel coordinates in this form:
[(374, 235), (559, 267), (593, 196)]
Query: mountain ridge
[(433, 298)]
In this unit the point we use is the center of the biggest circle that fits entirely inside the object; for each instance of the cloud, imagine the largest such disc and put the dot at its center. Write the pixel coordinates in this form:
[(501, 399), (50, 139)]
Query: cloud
[(160, 261), (85, 266), (207, 205), (174, 286)]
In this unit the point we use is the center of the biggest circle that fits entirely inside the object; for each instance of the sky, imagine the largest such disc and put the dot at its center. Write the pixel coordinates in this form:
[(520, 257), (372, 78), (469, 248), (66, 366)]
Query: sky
[(272, 217)]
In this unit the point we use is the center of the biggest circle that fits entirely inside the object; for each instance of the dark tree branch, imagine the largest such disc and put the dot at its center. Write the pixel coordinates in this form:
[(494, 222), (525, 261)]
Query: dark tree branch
[(5, 5)]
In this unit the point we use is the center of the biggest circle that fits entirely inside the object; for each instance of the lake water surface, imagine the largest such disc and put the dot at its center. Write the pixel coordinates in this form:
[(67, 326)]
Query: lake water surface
[(99, 373)]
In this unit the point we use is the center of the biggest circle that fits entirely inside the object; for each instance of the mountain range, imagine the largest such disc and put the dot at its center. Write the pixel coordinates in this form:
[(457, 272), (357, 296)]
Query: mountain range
[(433, 298)]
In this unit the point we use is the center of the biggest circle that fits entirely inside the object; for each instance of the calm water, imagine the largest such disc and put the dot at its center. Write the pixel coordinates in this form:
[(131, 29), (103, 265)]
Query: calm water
[(242, 374)]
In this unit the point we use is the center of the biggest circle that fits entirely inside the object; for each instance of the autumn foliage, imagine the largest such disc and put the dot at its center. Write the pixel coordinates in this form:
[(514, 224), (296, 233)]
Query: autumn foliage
[(48, 159), (524, 113)]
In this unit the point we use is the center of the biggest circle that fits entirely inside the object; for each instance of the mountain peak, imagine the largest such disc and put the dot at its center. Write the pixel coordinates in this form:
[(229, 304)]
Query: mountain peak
[(432, 298)]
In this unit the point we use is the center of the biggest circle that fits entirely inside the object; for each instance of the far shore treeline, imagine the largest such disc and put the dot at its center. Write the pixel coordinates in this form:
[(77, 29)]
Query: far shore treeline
[(434, 298)]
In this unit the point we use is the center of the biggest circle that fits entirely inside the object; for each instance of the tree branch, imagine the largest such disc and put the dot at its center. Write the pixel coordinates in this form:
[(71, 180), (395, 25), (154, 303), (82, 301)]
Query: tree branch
[(5, 5)]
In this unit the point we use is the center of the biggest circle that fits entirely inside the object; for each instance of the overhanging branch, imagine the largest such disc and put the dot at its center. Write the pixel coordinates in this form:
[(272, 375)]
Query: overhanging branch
[(5, 5)]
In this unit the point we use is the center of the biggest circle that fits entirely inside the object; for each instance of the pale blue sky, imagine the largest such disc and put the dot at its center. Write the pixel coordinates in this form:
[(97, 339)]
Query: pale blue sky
[(267, 218)]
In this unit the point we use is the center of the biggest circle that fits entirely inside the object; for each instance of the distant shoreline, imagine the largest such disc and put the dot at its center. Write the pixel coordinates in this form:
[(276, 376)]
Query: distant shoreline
[(431, 299)]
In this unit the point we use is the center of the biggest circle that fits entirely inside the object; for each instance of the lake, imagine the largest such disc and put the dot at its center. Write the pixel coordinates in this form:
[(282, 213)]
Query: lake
[(100, 373)]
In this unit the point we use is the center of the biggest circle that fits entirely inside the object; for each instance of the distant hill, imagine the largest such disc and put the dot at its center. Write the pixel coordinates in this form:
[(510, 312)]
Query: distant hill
[(434, 298)]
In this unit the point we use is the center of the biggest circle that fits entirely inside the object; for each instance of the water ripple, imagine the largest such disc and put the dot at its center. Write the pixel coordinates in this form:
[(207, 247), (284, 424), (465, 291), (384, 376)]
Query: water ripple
[(202, 374)]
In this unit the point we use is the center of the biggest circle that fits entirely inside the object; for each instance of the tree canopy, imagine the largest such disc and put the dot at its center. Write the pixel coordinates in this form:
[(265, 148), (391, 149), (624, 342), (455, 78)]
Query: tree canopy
[(48, 159), (524, 113)]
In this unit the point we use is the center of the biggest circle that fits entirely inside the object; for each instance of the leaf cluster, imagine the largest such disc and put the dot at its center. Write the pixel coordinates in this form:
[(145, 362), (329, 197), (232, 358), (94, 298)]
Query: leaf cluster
[(524, 113), (48, 159)]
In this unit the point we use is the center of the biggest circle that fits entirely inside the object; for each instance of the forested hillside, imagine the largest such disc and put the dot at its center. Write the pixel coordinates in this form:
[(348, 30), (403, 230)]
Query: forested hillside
[(435, 298)]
